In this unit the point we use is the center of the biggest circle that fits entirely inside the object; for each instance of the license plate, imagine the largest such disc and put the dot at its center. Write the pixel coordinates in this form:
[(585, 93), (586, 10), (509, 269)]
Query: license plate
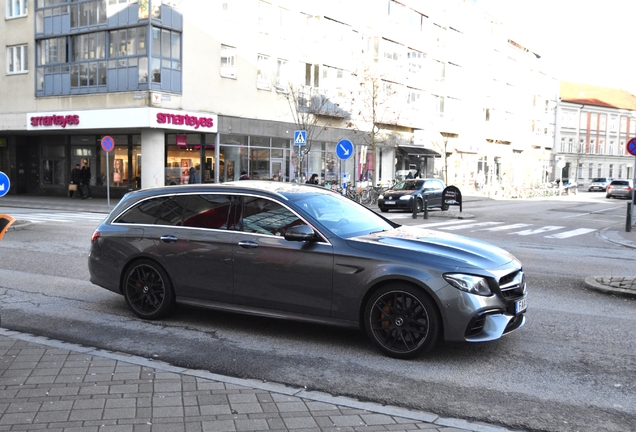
[(389, 202), (521, 305)]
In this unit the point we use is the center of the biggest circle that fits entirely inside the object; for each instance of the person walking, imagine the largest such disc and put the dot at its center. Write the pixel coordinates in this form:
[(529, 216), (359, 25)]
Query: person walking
[(85, 180), (76, 179)]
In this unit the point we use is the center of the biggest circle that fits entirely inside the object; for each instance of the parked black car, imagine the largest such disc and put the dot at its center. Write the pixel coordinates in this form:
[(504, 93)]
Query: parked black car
[(301, 252), (401, 196)]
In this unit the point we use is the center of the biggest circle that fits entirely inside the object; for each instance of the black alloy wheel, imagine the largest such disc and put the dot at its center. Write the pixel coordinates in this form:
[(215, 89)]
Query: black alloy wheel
[(402, 321), (148, 290), (420, 205)]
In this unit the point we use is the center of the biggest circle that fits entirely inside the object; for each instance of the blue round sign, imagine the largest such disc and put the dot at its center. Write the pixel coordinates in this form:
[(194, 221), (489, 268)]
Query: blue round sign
[(631, 147), (5, 184), (344, 149), (108, 143)]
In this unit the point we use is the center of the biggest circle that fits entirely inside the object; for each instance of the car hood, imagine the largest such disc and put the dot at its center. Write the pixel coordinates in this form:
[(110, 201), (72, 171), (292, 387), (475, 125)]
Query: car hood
[(447, 249)]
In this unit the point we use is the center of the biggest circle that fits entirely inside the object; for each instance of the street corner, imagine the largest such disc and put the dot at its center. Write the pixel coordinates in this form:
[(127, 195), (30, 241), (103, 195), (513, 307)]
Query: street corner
[(620, 285)]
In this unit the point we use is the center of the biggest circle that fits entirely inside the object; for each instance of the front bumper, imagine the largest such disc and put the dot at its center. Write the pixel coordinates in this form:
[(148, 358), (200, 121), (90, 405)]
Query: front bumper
[(396, 204)]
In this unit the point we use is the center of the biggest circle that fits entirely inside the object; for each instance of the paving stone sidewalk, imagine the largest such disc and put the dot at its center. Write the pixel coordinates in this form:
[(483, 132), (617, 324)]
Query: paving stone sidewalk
[(48, 385)]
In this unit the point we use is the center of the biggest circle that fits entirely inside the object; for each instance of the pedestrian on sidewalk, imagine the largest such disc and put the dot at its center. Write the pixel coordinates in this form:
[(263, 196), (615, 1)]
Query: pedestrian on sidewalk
[(76, 179), (85, 179)]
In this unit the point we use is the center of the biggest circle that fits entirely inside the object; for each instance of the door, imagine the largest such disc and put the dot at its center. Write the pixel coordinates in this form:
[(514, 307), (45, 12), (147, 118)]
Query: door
[(273, 273), (195, 245), (277, 166)]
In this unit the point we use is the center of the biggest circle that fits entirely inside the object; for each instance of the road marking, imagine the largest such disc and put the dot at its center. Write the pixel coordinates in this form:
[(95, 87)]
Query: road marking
[(572, 233), (506, 227), (472, 225), (60, 217), (438, 224), (537, 231)]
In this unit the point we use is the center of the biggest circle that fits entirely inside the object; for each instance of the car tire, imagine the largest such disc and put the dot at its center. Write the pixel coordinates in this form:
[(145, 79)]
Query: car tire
[(384, 210), (445, 207), (148, 290), (419, 205), (402, 321), (608, 196)]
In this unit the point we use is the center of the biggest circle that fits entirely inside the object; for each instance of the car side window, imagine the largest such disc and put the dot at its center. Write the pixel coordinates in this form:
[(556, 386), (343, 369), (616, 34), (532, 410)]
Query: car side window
[(264, 216), (144, 212), (209, 211)]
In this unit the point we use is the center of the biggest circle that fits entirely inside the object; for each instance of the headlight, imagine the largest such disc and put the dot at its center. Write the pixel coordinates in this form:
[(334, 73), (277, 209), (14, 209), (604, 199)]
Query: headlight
[(406, 197), (471, 284), (381, 196)]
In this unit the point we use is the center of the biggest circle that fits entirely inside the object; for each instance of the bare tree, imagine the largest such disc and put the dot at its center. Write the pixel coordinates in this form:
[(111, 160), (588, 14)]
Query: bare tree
[(374, 111), (310, 111)]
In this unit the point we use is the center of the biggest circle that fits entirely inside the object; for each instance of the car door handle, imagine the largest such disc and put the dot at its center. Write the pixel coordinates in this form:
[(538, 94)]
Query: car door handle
[(248, 244), (168, 239)]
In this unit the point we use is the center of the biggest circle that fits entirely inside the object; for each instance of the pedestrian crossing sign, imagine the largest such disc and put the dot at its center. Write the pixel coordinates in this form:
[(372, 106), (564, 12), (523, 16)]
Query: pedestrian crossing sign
[(300, 138)]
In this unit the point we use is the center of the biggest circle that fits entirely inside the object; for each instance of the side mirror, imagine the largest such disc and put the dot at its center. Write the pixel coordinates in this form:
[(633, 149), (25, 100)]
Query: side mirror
[(300, 233)]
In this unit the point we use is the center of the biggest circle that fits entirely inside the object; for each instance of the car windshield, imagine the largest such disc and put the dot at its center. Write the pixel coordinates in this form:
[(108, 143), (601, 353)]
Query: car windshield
[(342, 216), (409, 185)]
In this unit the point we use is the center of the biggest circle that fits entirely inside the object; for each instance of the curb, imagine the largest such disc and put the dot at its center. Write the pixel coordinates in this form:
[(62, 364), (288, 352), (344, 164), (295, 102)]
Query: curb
[(19, 225), (620, 285)]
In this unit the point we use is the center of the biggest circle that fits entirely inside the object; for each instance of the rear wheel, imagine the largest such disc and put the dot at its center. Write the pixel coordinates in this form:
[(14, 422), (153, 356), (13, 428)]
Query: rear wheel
[(608, 196), (148, 290), (402, 321)]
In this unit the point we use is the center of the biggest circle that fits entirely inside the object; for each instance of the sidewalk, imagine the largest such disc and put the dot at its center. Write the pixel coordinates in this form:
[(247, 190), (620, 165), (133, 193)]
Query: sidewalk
[(55, 386)]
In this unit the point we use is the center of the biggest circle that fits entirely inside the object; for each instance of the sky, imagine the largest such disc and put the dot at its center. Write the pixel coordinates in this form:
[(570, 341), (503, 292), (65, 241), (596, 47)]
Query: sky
[(583, 41)]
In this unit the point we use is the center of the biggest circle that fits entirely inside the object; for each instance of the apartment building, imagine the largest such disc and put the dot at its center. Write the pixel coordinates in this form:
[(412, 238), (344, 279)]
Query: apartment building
[(222, 87), (594, 126)]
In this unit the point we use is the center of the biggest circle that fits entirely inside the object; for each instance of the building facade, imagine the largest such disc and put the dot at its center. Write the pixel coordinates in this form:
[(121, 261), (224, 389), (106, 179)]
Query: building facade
[(222, 87), (594, 126)]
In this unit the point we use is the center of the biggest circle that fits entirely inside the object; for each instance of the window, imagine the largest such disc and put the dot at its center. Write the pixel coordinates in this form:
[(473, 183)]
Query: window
[(84, 14), (51, 51), (262, 216), (18, 59), (228, 61), (611, 170), (17, 8), (416, 59), (262, 72), (599, 170), (590, 171), (282, 75)]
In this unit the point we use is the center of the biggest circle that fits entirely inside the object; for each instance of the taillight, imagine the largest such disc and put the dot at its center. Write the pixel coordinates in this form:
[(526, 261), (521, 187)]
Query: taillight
[(95, 236)]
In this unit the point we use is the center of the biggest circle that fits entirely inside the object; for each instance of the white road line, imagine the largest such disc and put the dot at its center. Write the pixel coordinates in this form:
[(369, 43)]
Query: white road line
[(589, 213), (437, 224), (506, 227), (537, 231), (572, 233), (472, 225)]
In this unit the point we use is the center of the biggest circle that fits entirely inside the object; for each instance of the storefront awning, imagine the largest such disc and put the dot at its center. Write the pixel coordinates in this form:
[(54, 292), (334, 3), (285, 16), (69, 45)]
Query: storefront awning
[(418, 151)]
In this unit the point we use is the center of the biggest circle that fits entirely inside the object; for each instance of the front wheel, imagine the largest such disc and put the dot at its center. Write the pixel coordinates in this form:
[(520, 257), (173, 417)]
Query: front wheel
[(402, 321), (148, 290), (608, 196)]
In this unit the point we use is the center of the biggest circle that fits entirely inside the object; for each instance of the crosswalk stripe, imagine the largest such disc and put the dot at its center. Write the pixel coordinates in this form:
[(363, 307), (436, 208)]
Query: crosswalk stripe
[(472, 225), (438, 224), (537, 231), (571, 233), (506, 227)]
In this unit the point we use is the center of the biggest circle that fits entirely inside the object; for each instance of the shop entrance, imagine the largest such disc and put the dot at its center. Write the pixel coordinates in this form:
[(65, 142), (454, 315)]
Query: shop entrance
[(277, 166)]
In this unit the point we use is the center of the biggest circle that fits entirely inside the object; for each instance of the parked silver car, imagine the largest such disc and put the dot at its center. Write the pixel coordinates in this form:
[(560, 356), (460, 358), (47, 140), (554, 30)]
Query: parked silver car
[(301, 252), (599, 184), (620, 189)]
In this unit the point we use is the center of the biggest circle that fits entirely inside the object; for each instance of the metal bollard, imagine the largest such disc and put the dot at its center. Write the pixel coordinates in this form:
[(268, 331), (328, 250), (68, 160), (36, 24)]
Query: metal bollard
[(628, 221), (414, 207), (425, 208)]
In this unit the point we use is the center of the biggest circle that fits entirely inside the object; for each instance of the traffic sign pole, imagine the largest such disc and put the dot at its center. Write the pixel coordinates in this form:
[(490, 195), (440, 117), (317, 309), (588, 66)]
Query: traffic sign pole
[(108, 144)]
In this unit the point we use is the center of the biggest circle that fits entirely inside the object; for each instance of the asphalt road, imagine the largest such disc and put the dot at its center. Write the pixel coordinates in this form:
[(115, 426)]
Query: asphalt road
[(571, 368)]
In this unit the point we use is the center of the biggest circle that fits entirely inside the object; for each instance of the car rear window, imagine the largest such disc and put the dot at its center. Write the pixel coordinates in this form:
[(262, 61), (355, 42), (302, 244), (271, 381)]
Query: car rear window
[(599, 180), (620, 183)]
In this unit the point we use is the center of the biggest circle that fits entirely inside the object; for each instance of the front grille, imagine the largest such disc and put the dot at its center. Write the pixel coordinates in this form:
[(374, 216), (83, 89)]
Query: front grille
[(513, 285)]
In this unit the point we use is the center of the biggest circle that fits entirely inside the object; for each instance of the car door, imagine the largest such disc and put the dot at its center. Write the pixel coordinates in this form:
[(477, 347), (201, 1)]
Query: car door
[(433, 190), (273, 273), (195, 246)]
